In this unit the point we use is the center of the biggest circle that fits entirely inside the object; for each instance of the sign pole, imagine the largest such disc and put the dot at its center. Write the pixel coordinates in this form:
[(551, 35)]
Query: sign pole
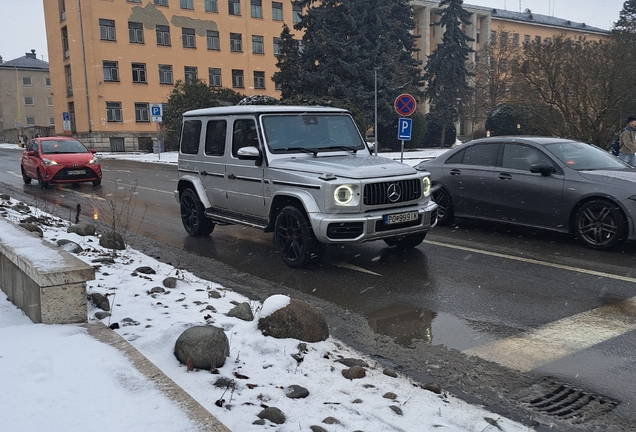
[(157, 129), (402, 152)]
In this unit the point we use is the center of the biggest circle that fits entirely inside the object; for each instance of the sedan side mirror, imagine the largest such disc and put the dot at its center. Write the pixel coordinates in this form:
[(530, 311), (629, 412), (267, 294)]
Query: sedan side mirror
[(542, 168)]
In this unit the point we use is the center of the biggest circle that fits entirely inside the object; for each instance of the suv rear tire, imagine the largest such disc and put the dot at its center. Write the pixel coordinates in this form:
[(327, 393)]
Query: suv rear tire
[(295, 240), (193, 214)]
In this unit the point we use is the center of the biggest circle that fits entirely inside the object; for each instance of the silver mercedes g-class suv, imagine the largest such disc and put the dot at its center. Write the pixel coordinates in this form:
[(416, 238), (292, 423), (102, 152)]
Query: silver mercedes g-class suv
[(305, 173)]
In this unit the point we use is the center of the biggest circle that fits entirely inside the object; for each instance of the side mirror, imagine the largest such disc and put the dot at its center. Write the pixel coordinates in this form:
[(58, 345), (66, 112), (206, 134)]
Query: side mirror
[(93, 151), (371, 145), (250, 153), (542, 168), (30, 153)]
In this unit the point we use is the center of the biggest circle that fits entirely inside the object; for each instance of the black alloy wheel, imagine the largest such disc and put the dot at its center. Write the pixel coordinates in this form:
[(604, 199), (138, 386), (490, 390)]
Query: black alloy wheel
[(26, 179), (600, 224), (444, 203), (295, 240), (192, 215), (404, 242)]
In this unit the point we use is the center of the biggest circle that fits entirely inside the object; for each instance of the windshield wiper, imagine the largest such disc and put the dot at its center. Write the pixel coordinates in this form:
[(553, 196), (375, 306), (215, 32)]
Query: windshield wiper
[(345, 148), (301, 149)]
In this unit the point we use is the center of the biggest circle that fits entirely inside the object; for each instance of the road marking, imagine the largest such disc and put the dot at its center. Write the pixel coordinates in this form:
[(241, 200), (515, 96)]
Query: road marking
[(346, 265), (560, 338)]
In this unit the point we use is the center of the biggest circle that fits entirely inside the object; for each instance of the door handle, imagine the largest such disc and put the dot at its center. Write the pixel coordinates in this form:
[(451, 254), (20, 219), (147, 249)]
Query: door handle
[(231, 177), (455, 172), (204, 173), (505, 176)]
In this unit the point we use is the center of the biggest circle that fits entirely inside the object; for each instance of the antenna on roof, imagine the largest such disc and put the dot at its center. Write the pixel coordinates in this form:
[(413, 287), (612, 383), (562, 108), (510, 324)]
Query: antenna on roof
[(519, 5)]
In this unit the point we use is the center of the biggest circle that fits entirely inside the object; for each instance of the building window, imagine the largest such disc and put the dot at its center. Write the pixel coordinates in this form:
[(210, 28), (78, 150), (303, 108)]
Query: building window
[(191, 74), (236, 44), (113, 111), (133, 1), (215, 77), (51, 121), (187, 37), (163, 35), (548, 40), (277, 11), (277, 42), (493, 37), (65, 42), (107, 29), (504, 38), (259, 80), (47, 81), (135, 32), (28, 100), (234, 7), (69, 80), (515, 39), (297, 11), (49, 100), (30, 121), (186, 4), (139, 73), (526, 39), (537, 40), (161, 2), (477, 36), (257, 45), (256, 9), (142, 112), (213, 40), (237, 78), (165, 74), (278, 86), (62, 4), (211, 6), (111, 70), (27, 81)]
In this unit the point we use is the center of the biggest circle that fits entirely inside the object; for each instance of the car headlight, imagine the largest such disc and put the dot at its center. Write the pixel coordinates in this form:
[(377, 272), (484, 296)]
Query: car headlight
[(48, 162), (426, 186), (343, 195), (93, 161)]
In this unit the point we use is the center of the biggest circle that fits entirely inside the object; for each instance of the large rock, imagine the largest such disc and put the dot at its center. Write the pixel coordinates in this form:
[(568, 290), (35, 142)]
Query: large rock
[(112, 240), (203, 347), (83, 229), (297, 320)]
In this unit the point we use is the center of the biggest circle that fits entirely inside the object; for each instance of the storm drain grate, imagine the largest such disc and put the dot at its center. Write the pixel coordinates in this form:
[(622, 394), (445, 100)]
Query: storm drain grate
[(565, 402)]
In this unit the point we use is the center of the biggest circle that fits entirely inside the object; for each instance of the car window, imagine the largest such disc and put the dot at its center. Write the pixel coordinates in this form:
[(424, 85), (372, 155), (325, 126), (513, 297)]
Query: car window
[(63, 146), (32, 146), (244, 135), (521, 157), (582, 156), (481, 154), (190, 136), (216, 131)]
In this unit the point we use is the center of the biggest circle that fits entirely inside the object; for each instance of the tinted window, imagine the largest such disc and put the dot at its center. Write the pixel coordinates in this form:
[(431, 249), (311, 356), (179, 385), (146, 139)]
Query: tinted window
[(456, 158), (581, 156), (190, 136), (244, 135), (481, 154), (215, 134), (521, 157)]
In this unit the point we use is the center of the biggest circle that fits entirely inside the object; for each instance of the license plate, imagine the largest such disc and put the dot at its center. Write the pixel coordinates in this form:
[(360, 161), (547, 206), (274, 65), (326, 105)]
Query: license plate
[(76, 172), (400, 217)]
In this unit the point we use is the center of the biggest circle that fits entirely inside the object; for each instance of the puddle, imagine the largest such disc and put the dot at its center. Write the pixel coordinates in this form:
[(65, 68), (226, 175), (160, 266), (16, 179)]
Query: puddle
[(407, 325)]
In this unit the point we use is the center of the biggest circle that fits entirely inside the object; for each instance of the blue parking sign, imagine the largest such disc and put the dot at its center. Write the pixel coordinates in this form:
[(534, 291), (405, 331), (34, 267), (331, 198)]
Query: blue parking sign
[(155, 110), (404, 129)]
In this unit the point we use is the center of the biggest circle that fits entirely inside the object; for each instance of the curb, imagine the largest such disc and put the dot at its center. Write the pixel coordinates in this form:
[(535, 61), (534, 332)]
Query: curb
[(193, 409)]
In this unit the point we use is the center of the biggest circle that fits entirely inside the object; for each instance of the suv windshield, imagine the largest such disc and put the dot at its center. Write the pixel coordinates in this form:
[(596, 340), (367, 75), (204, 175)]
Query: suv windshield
[(293, 133), (580, 156)]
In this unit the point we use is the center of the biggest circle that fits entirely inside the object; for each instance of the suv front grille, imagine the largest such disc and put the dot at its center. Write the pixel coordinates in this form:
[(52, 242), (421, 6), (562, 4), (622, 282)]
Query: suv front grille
[(392, 192)]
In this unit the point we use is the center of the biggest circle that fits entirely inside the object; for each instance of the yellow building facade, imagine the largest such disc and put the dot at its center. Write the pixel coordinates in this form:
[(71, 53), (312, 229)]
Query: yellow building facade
[(110, 60)]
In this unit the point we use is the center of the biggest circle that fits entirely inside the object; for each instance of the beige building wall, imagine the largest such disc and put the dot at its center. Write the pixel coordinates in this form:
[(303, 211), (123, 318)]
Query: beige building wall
[(26, 103), (77, 60)]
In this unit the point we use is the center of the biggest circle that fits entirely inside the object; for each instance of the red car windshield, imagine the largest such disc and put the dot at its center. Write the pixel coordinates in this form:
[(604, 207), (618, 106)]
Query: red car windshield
[(63, 146)]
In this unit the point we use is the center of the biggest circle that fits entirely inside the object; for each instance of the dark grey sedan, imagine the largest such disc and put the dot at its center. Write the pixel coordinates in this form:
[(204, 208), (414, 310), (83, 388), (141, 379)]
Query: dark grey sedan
[(547, 183)]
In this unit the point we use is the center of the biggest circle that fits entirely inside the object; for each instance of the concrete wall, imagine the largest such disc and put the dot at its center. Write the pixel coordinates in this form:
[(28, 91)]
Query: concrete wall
[(47, 283)]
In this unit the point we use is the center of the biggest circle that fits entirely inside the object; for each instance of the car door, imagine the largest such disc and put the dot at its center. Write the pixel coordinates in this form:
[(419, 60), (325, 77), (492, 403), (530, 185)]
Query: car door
[(30, 163), (468, 176), (212, 162), (523, 197), (245, 178)]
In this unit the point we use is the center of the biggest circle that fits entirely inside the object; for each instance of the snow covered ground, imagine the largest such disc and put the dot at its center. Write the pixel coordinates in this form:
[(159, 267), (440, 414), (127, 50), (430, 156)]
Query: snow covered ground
[(58, 378)]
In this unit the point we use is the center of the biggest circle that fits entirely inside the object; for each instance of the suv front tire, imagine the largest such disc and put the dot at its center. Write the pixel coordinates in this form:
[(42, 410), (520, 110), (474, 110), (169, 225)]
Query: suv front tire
[(295, 239)]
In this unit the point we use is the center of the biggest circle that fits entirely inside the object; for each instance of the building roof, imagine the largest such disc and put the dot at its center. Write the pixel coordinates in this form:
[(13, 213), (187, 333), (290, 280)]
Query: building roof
[(528, 16), (28, 61)]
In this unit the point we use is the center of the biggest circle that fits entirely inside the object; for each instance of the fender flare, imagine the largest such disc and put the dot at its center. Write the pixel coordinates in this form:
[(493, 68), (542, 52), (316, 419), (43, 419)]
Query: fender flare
[(308, 201), (195, 182)]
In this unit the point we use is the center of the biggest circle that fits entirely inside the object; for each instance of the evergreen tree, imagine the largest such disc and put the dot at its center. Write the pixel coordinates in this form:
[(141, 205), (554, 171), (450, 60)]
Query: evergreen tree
[(627, 18), (188, 96), (446, 70), (288, 64), (343, 42)]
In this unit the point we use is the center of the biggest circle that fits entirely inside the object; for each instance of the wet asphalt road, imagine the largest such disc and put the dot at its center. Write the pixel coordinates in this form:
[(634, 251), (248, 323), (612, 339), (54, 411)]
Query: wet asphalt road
[(467, 286)]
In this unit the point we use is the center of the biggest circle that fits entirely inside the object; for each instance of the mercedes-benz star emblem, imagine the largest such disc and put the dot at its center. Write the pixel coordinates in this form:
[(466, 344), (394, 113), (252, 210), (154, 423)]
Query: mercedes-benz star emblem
[(394, 192)]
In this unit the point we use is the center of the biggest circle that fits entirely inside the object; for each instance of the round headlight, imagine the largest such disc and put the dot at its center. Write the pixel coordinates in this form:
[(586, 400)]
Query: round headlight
[(343, 194), (426, 186)]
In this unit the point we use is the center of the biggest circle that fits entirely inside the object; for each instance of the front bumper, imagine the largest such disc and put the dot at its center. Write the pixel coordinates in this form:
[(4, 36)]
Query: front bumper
[(357, 228)]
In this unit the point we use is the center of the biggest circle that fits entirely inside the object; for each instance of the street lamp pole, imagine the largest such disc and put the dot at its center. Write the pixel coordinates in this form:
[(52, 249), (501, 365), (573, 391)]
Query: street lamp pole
[(375, 127)]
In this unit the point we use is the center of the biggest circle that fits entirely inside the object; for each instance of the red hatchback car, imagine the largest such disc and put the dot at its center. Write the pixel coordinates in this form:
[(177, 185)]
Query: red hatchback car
[(59, 160)]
